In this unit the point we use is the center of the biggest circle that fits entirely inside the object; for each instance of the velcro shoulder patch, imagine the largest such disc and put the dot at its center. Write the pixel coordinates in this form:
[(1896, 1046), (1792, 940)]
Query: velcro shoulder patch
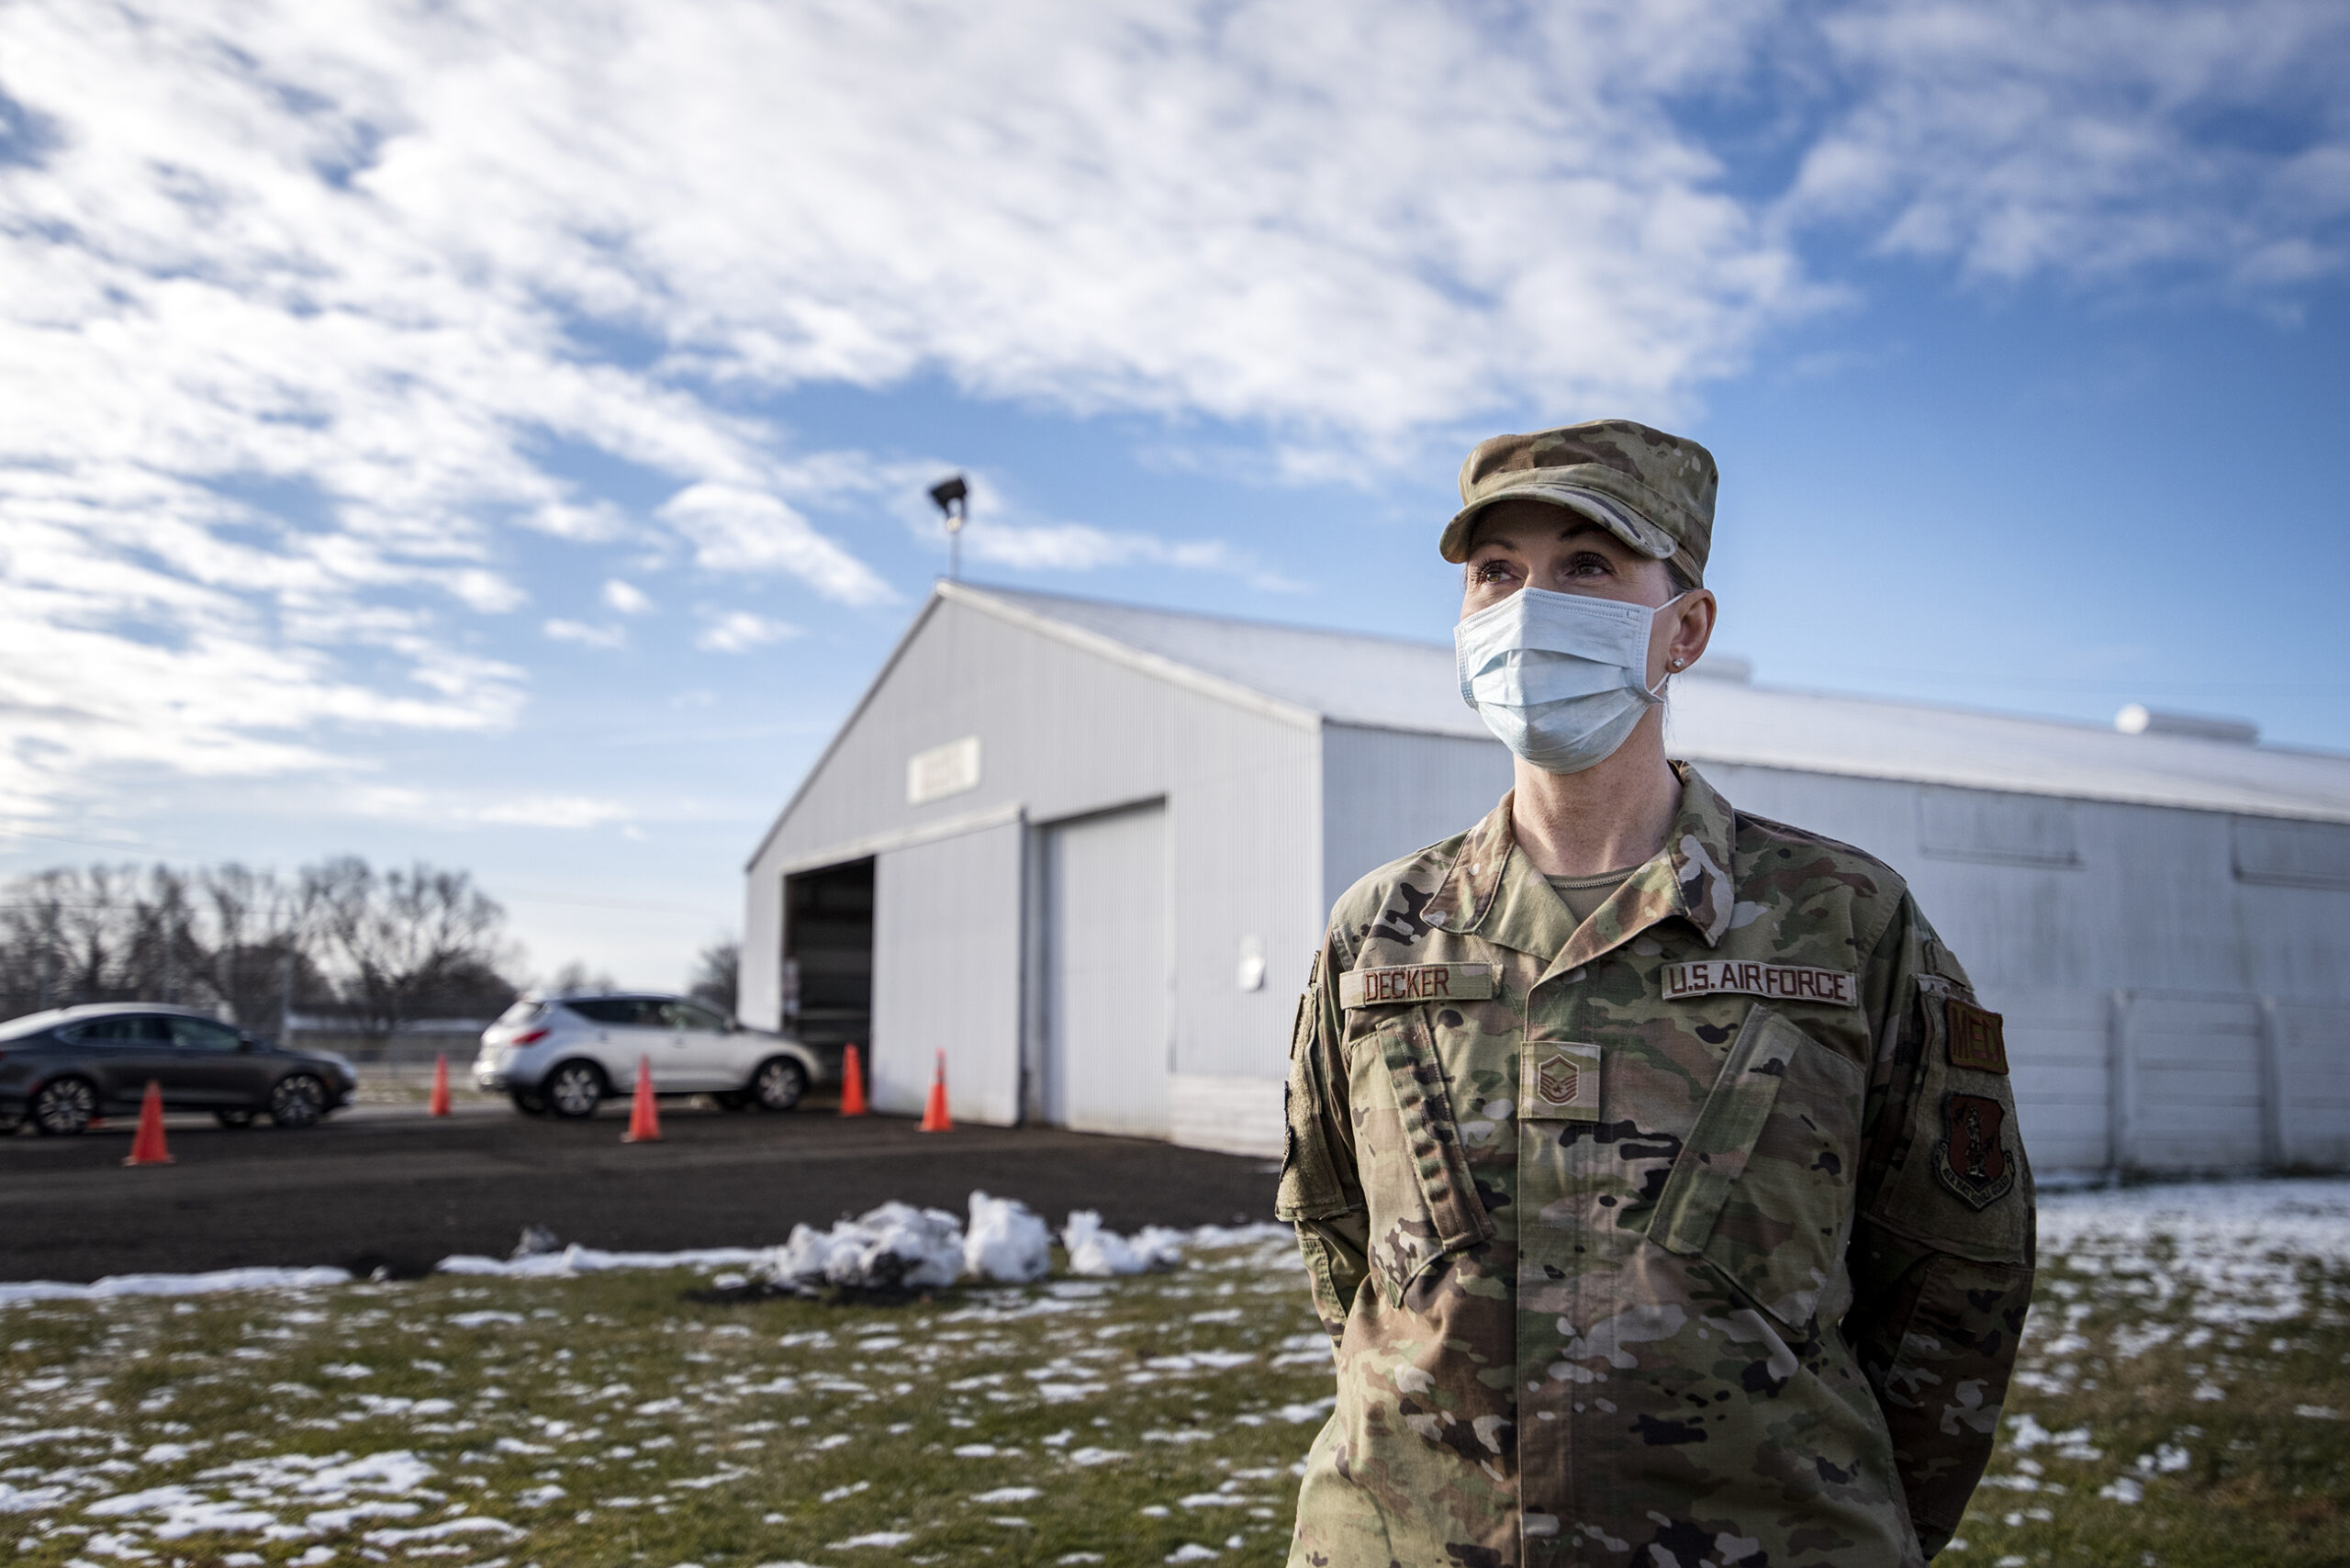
[(1416, 983), (1977, 1039), (1779, 982)]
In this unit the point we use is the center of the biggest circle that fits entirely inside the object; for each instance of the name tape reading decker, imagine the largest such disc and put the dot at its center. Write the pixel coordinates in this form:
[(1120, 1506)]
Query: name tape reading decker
[(1416, 983), (1780, 982)]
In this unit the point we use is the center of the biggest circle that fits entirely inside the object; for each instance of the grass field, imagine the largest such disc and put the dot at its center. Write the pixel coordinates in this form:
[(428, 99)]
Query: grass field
[(2182, 1398)]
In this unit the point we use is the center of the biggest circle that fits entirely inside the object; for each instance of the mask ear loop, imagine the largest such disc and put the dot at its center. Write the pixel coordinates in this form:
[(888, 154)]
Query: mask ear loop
[(1655, 694)]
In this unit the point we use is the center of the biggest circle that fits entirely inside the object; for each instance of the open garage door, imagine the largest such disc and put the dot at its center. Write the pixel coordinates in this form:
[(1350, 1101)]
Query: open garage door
[(1108, 1020), (946, 923)]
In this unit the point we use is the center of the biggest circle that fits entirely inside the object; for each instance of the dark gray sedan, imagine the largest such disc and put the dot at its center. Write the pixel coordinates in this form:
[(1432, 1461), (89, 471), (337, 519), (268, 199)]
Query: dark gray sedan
[(63, 1068)]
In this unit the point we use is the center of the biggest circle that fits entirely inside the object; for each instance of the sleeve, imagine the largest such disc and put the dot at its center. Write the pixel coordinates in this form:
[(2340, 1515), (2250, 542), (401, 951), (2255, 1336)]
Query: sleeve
[(1943, 1255), (1320, 1191)]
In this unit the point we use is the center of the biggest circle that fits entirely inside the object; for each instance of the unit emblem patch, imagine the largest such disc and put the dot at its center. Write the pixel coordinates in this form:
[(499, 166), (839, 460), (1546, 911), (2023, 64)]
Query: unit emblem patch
[(1970, 1160), (1977, 1038), (1561, 1082)]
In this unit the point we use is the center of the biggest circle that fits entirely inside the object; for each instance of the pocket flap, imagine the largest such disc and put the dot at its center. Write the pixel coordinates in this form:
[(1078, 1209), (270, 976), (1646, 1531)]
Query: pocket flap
[(1716, 1152)]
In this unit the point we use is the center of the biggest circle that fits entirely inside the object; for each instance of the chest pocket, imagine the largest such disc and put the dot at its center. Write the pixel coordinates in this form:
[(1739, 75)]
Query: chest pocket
[(1416, 1184), (1763, 1188)]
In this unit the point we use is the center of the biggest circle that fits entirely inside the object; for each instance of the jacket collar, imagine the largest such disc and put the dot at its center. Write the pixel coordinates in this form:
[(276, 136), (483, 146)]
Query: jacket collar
[(1490, 889)]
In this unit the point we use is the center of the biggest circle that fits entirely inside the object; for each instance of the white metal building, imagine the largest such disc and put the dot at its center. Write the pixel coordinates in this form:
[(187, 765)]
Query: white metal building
[(1086, 850)]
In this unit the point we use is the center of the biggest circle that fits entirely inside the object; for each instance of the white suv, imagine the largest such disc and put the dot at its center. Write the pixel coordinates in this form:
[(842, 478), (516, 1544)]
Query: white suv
[(567, 1054)]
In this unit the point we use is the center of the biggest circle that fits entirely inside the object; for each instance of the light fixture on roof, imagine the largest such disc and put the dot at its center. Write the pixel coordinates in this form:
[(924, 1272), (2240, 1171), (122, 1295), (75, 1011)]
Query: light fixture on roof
[(2137, 719), (954, 498)]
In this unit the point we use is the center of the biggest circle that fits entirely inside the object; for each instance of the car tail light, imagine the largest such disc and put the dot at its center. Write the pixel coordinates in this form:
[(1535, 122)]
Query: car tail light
[(528, 1037)]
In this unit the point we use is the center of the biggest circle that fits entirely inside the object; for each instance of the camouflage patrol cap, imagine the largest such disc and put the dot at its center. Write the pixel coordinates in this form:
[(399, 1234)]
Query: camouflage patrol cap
[(1654, 491)]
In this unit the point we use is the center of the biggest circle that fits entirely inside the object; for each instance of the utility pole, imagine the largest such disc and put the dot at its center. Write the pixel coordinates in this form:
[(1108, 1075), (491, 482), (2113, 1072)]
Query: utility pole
[(954, 498)]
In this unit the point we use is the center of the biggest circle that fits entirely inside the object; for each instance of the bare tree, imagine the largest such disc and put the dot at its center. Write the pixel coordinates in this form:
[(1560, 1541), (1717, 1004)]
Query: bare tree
[(406, 943), (576, 979), (717, 976), (381, 949)]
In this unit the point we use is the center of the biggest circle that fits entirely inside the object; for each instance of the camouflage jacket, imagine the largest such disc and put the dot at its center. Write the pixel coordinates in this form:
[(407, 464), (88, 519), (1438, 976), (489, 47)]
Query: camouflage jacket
[(1699, 1234)]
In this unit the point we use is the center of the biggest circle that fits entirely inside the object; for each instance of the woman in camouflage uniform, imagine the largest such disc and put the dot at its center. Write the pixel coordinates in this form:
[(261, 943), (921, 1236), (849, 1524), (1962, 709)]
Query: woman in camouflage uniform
[(1655, 1169)]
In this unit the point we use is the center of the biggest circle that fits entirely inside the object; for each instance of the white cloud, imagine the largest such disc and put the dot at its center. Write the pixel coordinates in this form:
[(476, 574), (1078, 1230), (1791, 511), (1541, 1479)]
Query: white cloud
[(553, 810), (626, 598), (2103, 141), (740, 630), (306, 303), (739, 529), (585, 635), (563, 812)]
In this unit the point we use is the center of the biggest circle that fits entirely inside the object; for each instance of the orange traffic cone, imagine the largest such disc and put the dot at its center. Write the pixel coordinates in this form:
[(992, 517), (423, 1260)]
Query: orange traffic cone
[(852, 1085), (644, 1121), (147, 1145), (934, 1118), (440, 1086)]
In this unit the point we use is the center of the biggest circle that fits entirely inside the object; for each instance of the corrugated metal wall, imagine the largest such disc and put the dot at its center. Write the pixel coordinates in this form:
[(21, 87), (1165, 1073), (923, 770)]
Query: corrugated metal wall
[(1104, 1006), (946, 972), (2173, 1004), (2174, 981), (1387, 792), (1064, 732)]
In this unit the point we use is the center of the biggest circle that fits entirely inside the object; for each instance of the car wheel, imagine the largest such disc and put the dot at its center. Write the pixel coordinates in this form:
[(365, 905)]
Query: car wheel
[(65, 1106), (574, 1089), (233, 1118), (527, 1103), (298, 1101), (778, 1084)]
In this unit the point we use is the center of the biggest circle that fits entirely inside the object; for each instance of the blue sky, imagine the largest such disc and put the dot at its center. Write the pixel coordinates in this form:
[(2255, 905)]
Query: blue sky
[(465, 434)]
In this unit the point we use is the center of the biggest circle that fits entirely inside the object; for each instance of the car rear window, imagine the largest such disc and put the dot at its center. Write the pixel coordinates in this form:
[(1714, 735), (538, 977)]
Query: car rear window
[(521, 1013)]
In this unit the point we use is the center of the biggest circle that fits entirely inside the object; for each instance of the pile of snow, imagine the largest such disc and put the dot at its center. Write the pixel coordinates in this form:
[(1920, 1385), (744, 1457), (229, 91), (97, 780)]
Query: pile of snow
[(894, 1248), (1098, 1252), (899, 1248), (1008, 1241)]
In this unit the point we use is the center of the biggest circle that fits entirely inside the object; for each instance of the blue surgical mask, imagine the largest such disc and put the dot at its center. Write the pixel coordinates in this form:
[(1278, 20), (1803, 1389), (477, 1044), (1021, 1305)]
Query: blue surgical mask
[(1560, 677)]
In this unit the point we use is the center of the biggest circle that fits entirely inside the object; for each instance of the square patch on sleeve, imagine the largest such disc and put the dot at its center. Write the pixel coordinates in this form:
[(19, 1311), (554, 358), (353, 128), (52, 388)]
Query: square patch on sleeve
[(1976, 1039)]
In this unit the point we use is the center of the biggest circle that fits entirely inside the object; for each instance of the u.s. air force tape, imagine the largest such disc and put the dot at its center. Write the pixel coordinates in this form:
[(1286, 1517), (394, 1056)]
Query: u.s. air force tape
[(1416, 983), (1780, 982)]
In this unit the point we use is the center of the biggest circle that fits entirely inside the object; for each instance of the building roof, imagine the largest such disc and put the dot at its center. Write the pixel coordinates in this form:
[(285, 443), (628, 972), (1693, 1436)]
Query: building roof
[(1348, 678)]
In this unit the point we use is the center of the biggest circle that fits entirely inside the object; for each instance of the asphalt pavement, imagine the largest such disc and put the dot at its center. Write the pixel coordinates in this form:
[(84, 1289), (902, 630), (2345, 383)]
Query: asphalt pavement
[(393, 1188)]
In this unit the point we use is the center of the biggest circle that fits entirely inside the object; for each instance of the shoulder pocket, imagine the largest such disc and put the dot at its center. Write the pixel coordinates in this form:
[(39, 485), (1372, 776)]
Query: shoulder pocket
[(1959, 1180), (1311, 1185), (1762, 1189), (1422, 1199)]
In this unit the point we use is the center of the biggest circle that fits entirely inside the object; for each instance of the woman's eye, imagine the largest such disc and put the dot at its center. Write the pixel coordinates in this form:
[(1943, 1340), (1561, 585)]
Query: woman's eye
[(1492, 571), (1587, 566)]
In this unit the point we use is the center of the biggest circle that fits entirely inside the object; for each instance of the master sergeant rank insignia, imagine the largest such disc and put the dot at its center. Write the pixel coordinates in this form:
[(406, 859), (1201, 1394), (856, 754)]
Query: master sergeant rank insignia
[(1560, 1081)]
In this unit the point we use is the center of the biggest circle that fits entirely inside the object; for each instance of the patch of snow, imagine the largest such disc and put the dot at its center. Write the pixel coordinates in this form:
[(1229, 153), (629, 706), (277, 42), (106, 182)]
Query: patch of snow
[(1095, 1251), (219, 1280), (594, 1261)]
